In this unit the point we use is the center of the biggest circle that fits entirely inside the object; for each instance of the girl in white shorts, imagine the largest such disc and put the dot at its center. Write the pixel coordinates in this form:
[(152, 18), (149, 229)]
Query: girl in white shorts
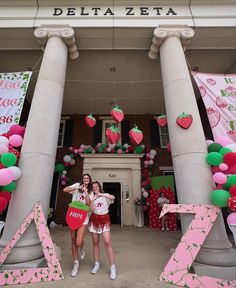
[(81, 192), (99, 224)]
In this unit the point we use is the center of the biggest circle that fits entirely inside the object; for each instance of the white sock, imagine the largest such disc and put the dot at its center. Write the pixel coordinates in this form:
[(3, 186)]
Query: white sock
[(113, 266), (97, 263), (76, 261)]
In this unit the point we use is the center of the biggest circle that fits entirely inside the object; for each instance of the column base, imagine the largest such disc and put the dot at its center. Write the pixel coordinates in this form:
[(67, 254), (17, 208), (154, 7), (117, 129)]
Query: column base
[(226, 273), (41, 262)]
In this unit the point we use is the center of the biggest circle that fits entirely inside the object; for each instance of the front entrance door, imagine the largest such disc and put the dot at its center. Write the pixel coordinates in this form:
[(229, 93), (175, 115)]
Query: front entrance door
[(114, 188)]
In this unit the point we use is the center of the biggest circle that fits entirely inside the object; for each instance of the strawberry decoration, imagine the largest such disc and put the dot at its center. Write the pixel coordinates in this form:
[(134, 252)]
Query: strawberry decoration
[(136, 135), (162, 120), (184, 120), (117, 114), (90, 120), (113, 134), (76, 214)]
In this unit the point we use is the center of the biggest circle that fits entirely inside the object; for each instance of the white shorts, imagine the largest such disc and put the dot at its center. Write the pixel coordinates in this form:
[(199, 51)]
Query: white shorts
[(86, 221), (97, 230)]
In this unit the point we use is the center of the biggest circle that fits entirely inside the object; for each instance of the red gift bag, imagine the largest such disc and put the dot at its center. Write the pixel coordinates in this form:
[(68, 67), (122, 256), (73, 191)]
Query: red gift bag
[(76, 214)]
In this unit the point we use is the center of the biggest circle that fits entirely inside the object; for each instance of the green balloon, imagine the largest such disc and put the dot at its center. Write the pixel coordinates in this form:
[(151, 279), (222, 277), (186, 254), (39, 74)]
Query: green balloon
[(231, 180), (225, 186), (59, 168), (138, 149), (224, 151), (100, 149), (214, 158), (220, 198), (214, 147), (88, 150), (8, 159), (72, 156), (10, 187)]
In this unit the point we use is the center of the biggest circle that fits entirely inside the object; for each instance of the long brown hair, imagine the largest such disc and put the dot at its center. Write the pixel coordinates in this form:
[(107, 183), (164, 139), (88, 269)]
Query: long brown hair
[(90, 182), (99, 185)]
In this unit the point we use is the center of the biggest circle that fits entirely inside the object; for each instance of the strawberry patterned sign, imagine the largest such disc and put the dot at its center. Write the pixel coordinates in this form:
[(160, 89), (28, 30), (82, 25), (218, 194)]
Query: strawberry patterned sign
[(184, 120), (218, 92), (117, 114), (13, 88), (90, 120)]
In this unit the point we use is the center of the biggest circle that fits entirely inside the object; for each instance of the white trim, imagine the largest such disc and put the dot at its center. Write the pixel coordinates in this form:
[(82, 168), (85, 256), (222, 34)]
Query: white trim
[(60, 145), (166, 168)]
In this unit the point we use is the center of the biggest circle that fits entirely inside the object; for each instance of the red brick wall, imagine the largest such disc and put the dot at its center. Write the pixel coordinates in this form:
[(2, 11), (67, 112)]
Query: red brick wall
[(84, 135)]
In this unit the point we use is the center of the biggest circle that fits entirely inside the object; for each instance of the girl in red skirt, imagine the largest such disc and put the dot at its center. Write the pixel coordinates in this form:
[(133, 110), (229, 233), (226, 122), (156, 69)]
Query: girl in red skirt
[(99, 223)]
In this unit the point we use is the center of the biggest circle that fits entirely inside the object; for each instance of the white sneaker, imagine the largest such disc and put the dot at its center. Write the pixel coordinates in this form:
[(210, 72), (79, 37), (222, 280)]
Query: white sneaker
[(75, 269), (95, 268), (82, 253), (113, 272)]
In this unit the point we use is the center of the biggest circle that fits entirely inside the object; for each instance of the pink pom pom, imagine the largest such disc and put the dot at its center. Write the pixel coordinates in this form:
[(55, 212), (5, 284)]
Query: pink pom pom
[(6, 176), (231, 219), (17, 129), (223, 167), (15, 140)]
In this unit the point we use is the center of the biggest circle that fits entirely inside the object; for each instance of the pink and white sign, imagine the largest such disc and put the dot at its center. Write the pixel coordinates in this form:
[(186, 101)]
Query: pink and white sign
[(13, 88), (53, 270), (218, 93), (176, 270)]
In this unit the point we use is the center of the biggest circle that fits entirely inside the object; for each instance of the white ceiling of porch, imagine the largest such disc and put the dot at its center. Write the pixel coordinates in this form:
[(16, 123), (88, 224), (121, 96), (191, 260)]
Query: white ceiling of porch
[(113, 66)]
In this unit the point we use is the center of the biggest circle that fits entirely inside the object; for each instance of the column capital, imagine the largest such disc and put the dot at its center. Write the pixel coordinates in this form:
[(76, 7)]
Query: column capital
[(65, 32), (183, 32)]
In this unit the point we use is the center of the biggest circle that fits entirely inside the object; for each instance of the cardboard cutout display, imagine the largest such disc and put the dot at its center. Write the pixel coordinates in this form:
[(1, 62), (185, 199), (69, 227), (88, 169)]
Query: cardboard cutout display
[(53, 270), (176, 270)]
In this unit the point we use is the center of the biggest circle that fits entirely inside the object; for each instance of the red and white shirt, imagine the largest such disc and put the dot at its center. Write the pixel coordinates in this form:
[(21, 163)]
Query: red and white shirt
[(101, 205)]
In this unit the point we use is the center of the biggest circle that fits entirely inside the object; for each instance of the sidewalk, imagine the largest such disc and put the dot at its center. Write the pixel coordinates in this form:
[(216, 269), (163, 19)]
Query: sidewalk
[(141, 254)]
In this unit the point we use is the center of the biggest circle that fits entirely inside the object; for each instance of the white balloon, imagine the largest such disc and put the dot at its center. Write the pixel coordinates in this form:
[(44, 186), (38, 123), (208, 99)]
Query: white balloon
[(232, 147), (3, 149), (64, 172), (152, 156), (4, 140), (72, 162), (153, 152), (126, 145), (145, 194), (67, 158), (16, 171), (150, 162)]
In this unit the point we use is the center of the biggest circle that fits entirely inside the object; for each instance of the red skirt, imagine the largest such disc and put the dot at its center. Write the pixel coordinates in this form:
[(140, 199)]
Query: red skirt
[(100, 221)]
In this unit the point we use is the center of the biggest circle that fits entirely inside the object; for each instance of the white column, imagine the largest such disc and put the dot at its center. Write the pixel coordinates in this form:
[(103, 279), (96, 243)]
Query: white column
[(192, 175), (40, 143)]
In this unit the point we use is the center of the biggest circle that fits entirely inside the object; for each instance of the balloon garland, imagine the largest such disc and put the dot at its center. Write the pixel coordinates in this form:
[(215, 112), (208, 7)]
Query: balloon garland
[(10, 144), (69, 160), (222, 158)]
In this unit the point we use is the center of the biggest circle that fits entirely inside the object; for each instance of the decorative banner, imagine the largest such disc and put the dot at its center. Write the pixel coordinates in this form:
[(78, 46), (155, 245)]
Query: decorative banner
[(32, 275), (13, 87), (176, 270), (218, 93)]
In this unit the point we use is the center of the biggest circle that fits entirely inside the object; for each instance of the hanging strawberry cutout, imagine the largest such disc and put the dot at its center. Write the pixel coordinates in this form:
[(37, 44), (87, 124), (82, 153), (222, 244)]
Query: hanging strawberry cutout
[(113, 134), (136, 135), (162, 120), (184, 120), (90, 120), (117, 114)]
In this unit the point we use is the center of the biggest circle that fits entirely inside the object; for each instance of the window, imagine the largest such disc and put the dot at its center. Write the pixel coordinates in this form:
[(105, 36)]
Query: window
[(61, 135), (106, 124), (164, 136)]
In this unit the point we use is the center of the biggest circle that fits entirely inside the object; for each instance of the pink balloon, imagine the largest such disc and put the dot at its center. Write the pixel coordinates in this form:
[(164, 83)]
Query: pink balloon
[(215, 169), (63, 183), (15, 140), (223, 167), (231, 219), (223, 140), (6, 176), (17, 129), (3, 149), (220, 178)]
